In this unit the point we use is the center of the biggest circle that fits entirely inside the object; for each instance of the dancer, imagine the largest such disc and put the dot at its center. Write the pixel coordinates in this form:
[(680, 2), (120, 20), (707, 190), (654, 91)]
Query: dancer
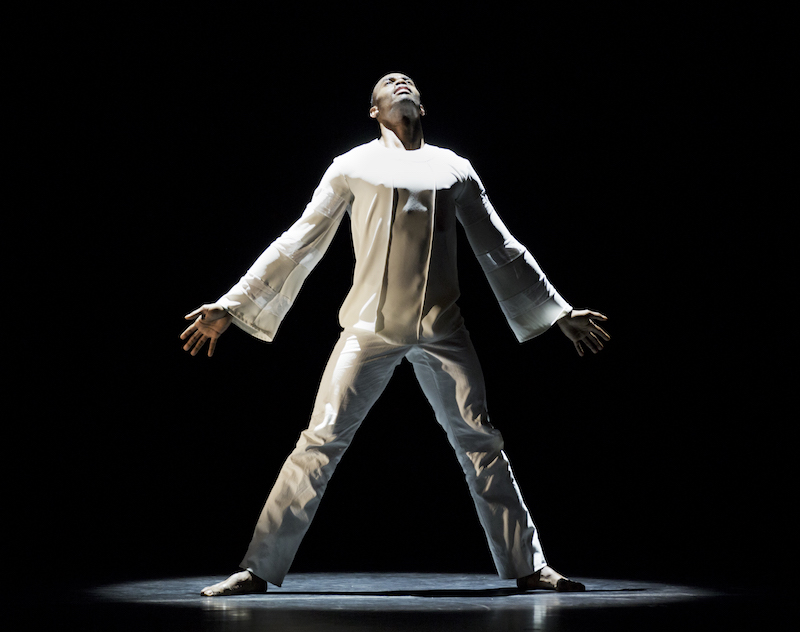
[(403, 197)]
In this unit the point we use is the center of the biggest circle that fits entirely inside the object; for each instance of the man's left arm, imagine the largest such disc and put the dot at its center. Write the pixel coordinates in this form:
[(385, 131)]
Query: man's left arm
[(528, 300)]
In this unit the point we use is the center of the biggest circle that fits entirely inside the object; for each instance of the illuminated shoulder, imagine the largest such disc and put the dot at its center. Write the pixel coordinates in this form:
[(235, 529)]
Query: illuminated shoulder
[(459, 164)]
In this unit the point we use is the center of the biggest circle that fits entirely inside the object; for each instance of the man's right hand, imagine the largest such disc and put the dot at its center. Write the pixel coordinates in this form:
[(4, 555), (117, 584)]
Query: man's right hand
[(211, 322)]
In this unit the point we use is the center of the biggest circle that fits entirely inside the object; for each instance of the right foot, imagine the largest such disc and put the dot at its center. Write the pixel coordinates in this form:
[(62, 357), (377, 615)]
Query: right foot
[(242, 583)]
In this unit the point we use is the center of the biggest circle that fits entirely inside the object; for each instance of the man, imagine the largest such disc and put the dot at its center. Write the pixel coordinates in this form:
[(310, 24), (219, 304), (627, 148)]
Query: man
[(404, 198)]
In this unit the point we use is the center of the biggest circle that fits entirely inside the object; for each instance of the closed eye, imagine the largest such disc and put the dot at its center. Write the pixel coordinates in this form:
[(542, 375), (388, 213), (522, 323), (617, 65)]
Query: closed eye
[(406, 79)]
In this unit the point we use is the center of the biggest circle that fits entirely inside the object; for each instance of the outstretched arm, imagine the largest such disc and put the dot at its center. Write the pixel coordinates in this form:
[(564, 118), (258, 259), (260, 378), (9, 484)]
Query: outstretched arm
[(211, 322), (528, 300), (266, 292), (580, 327)]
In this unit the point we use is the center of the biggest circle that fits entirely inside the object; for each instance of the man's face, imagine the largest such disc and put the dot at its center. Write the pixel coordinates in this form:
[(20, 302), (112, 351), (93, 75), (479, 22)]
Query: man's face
[(392, 90)]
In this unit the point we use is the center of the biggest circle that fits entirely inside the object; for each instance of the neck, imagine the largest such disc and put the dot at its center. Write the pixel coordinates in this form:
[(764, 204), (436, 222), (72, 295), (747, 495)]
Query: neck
[(405, 133)]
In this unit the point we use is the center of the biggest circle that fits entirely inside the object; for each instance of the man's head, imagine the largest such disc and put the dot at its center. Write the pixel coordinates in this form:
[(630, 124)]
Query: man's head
[(395, 93)]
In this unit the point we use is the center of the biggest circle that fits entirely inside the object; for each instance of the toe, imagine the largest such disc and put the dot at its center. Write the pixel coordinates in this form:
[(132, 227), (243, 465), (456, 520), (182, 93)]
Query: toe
[(569, 585)]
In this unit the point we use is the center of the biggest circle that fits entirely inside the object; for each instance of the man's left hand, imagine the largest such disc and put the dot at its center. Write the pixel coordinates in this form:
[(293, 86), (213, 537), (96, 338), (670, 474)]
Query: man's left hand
[(580, 327)]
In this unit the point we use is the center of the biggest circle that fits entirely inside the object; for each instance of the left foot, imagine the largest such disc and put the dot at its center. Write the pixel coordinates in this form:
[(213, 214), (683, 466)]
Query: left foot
[(549, 579)]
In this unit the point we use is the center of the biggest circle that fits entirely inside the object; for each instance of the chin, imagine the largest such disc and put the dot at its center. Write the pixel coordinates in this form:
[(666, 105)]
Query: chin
[(406, 101)]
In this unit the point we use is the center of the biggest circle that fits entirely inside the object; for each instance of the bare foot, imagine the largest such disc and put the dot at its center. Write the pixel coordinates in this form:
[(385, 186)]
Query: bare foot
[(549, 579), (242, 583)]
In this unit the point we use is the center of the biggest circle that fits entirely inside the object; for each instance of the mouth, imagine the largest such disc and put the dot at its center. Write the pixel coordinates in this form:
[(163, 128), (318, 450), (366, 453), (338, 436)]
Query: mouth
[(402, 90)]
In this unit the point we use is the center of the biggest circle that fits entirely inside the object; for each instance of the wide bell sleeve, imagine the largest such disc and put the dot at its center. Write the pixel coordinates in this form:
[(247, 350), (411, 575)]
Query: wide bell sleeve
[(263, 296), (528, 300)]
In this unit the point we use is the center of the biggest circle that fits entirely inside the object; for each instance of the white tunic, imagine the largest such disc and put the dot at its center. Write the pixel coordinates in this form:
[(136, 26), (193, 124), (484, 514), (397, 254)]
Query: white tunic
[(403, 207)]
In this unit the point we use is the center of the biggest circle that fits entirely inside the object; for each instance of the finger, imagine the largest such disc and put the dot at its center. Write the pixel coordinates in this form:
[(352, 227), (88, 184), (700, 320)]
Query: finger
[(199, 345), (212, 344), (188, 331), (598, 315), (601, 330), (198, 312), (594, 343), (192, 344), (578, 347), (589, 343)]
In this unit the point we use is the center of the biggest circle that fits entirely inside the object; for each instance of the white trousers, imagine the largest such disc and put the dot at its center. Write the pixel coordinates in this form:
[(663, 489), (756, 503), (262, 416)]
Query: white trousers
[(359, 369)]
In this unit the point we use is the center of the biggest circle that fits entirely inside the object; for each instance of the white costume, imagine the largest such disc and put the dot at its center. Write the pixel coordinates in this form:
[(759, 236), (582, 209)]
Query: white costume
[(403, 207)]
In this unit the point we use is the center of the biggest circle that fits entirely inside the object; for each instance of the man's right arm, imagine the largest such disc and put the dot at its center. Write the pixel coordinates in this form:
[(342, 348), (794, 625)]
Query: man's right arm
[(210, 323), (263, 296)]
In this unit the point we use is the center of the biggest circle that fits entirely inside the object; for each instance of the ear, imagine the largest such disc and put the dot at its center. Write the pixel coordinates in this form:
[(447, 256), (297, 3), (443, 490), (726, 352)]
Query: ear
[(421, 109), (373, 111)]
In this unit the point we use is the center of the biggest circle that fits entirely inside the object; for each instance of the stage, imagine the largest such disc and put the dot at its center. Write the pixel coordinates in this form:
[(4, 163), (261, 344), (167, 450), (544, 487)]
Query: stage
[(626, 149), (411, 601)]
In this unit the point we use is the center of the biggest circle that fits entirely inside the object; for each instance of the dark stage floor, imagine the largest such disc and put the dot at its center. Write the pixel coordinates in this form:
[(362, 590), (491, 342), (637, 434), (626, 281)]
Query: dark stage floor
[(406, 601)]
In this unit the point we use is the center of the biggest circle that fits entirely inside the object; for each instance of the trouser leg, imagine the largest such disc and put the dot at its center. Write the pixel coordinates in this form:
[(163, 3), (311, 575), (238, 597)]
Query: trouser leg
[(451, 378), (357, 372)]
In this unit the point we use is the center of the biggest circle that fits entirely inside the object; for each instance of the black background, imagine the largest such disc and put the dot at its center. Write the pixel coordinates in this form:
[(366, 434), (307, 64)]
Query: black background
[(626, 148)]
